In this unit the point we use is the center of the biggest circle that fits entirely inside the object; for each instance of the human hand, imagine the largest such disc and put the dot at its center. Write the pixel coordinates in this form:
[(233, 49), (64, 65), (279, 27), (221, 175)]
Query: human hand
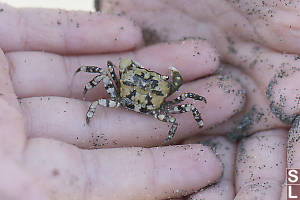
[(255, 167), (260, 41), (48, 151)]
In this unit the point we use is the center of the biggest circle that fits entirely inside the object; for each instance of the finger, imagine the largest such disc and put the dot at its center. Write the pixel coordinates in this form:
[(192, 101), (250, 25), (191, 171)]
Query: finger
[(65, 32), (225, 150), (120, 173), (64, 119), (12, 135), (276, 24), (160, 26), (54, 74), (259, 62), (261, 165), (293, 150), (256, 115), (278, 80), (284, 94), (215, 20), (272, 24)]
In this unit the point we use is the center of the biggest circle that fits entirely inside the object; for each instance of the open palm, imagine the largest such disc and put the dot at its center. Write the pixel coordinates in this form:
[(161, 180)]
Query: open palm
[(258, 43), (48, 151)]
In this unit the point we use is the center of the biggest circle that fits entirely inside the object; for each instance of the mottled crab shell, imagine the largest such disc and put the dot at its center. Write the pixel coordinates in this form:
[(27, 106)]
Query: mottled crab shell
[(146, 88)]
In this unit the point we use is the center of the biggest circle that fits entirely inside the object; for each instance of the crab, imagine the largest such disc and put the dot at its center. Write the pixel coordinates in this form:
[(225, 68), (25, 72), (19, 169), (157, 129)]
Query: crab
[(142, 91)]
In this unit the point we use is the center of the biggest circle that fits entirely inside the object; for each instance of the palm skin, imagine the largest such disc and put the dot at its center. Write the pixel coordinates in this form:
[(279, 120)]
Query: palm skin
[(47, 149)]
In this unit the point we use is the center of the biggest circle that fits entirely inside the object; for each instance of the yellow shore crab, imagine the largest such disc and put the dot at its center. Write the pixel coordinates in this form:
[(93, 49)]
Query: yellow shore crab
[(141, 90)]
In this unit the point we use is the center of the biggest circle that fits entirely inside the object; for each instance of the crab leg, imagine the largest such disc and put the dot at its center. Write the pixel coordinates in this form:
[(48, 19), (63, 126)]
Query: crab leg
[(111, 69), (103, 102), (170, 119), (91, 84), (96, 80), (187, 108), (89, 69), (187, 95)]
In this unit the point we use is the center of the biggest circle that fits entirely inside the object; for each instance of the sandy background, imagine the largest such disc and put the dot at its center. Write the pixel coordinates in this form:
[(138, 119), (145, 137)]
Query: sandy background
[(63, 4)]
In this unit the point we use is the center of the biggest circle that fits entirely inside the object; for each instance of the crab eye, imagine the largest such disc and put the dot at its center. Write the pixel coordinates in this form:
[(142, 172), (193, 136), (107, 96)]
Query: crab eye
[(165, 77)]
